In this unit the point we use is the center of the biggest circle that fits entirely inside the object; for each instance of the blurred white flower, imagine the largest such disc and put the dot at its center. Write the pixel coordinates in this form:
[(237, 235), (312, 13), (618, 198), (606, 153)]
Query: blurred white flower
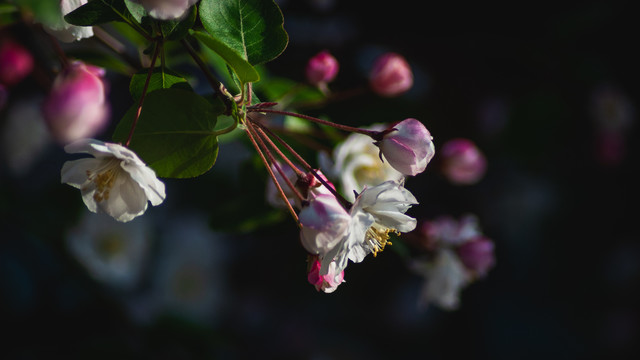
[(113, 252), (24, 135), (187, 278), (356, 163), (445, 276), (166, 9), (115, 182)]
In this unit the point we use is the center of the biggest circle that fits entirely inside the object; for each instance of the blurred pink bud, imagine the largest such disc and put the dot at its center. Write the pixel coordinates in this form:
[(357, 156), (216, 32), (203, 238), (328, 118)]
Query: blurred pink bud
[(327, 283), (391, 75), (462, 162), (478, 255), (76, 106), (15, 63), (408, 147), (322, 68)]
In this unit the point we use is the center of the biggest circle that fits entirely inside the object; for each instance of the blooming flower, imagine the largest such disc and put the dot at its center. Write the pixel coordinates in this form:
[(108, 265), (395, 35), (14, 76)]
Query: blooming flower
[(15, 62), (76, 107), (322, 69), (356, 162), (462, 162), (166, 9), (64, 31), (112, 252), (390, 75), (377, 212), (327, 283), (115, 182), (408, 147)]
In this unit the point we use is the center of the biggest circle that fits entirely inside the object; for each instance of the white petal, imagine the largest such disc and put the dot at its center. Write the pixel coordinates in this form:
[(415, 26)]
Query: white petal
[(74, 172), (153, 188)]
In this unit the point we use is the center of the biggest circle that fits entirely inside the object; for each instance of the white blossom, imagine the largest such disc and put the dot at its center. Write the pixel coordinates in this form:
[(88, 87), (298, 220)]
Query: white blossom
[(377, 212), (166, 9), (64, 31), (115, 181)]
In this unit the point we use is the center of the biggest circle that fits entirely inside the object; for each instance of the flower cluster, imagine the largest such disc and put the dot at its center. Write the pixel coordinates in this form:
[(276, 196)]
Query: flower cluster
[(174, 124), (457, 254)]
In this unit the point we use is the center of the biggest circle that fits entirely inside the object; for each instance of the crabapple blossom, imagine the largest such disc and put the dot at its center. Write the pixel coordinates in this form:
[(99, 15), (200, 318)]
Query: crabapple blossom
[(390, 75), (377, 211), (462, 162), (322, 68), (64, 31), (115, 181), (166, 9), (356, 163), (16, 62), (459, 254), (76, 106), (408, 147), (327, 283)]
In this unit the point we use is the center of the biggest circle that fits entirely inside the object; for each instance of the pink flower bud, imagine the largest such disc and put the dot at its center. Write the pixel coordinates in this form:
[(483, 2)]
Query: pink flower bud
[(322, 68), (462, 162), (76, 106), (408, 147), (15, 63), (327, 283), (477, 255), (390, 75)]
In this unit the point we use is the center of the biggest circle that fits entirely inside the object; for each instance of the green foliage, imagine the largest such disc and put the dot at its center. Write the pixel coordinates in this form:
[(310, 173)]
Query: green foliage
[(175, 134), (160, 79), (242, 69), (177, 29), (253, 29), (46, 12), (98, 12)]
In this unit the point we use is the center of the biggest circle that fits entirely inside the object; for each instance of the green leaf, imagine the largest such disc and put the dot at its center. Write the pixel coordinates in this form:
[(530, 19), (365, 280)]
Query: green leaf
[(175, 134), (252, 28), (242, 68), (136, 10), (159, 80), (98, 12), (177, 29)]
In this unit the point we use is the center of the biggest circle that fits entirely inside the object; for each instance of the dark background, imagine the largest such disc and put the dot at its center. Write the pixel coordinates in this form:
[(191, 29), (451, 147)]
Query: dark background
[(519, 79)]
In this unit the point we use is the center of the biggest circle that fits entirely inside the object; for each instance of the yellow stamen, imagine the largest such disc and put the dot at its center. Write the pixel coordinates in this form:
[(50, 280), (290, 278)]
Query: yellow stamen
[(378, 237), (104, 178)]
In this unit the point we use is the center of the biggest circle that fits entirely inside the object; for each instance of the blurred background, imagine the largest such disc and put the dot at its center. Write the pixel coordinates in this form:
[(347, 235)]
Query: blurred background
[(547, 91)]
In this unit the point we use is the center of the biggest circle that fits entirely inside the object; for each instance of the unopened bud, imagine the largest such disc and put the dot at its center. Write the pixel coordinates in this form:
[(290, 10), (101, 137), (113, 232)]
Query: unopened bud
[(76, 106), (391, 75), (322, 68), (408, 148), (477, 255), (327, 283), (462, 162), (15, 63)]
